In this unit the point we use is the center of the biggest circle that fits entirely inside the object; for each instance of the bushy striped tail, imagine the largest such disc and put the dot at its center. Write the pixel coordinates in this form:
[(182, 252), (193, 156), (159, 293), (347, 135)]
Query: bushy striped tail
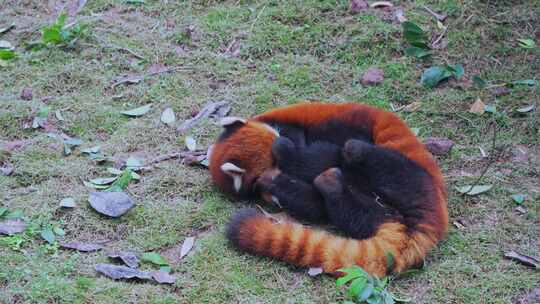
[(286, 240)]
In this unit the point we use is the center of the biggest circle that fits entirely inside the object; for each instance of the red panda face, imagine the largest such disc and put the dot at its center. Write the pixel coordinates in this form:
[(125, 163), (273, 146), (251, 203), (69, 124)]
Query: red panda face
[(240, 155)]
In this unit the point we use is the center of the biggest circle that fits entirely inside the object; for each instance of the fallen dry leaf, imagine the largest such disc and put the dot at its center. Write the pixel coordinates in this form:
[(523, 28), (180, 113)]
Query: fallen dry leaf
[(186, 246), (315, 271), (217, 109), (191, 160), (27, 94), (6, 168), (478, 107), (523, 259), (10, 227), (357, 6), (521, 210), (372, 76), (438, 146), (399, 14), (80, 246), (122, 272), (13, 145), (113, 204), (520, 154), (163, 277), (381, 4), (127, 257), (459, 225)]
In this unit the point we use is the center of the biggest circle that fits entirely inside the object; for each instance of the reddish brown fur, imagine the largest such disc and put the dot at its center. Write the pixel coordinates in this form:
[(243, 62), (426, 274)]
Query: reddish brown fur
[(304, 246)]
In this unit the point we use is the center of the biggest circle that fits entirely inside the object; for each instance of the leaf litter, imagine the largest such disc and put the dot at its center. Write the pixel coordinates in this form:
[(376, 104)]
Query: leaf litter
[(113, 204), (127, 257), (81, 246), (212, 109), (12, 226)]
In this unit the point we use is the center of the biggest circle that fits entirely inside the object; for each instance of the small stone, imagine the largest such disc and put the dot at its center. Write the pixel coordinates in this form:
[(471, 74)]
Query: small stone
[(372, 76), (438, 146)]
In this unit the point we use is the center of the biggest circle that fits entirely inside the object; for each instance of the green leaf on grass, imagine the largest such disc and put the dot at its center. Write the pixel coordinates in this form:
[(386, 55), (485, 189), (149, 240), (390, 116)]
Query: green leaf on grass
[(133, 163), (43, 112), (490, 109), (366, 292), (518, 198), (414, 35), (3, 211), (529, 82), (526, 43), (58, 115), (525, 109), (123, 180), (478, 189), (6, 45), (15, 214), (103, 180), (168, 117), (433, 75), (417, 52), (68, 202), (191, 144), (356, 287), (48, 235), (94, 186), (350, 274), (92, 150), (456, 70), (479, 82), (154, 258), (138, 111), (59, 231)]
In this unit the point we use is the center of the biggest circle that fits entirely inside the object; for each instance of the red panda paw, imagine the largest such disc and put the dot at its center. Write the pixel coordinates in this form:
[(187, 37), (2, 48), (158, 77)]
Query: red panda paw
[(330, 181), (266, 180)]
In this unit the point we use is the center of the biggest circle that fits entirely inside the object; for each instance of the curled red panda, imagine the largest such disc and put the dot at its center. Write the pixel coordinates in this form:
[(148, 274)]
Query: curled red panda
[(376, 152)]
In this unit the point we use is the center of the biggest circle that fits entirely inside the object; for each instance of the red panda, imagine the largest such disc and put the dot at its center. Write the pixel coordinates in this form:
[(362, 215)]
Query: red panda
[(242, 156)]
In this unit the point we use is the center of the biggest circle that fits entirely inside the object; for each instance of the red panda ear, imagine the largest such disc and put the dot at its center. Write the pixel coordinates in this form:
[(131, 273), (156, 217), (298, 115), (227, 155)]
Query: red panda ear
[(230, 120), (235, 172)]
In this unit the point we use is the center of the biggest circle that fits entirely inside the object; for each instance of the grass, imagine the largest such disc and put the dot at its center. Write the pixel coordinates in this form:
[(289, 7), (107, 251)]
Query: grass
[(289, 51)]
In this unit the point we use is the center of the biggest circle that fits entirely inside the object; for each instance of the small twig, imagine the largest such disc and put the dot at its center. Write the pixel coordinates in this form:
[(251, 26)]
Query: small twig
[(256, 18), (440, 37), (127, 50), (139, 78), (440, 17), (492, 159), (172, 156)]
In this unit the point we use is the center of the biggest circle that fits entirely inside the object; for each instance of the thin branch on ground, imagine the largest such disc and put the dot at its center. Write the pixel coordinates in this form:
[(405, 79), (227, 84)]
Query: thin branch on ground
[(492, 158), (150, 165)]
